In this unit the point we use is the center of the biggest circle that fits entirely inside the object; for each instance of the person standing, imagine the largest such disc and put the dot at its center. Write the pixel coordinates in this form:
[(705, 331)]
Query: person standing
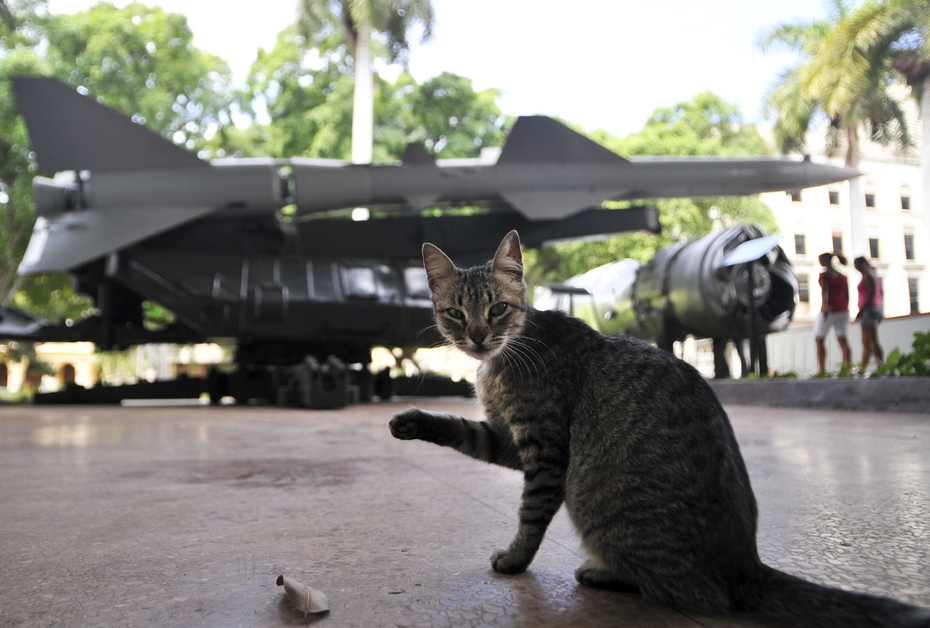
[(870, 311), (834, 293)]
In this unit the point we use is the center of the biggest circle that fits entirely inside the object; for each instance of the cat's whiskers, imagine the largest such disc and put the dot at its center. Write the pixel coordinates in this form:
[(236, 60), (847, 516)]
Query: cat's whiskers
[(426, 329), (527, 357), (534, 356), (537, 340), (440, 343), (512, 357)]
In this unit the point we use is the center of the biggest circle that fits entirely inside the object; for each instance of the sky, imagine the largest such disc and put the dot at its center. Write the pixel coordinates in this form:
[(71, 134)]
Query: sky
[(602, 64)]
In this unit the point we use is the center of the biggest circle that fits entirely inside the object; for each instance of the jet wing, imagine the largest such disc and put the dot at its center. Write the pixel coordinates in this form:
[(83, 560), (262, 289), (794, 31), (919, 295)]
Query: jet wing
[(67, 240), (140, 184)]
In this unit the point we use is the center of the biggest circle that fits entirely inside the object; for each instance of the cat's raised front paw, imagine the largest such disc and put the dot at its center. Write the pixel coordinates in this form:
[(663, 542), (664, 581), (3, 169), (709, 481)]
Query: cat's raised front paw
[(404, 424), (507, 562)]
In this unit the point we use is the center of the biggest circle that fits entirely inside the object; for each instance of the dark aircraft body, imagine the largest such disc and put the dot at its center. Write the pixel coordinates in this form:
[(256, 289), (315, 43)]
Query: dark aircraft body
[(133, 217)]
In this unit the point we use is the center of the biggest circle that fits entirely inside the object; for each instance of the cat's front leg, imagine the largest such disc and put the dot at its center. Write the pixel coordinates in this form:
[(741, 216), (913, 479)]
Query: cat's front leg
[(543, 493), (480, 440)]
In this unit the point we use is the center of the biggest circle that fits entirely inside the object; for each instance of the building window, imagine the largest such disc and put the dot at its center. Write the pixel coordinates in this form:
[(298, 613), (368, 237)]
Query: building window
[(870, 200), (905, 202), (834, 197), (804, 294), (4, 375), (795, 196), (837, 241), (873, 247), (912, 292), (800, 246), (909, 246)]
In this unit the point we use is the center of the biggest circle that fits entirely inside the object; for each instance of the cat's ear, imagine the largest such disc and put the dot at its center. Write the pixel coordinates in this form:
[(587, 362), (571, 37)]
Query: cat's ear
[(439, 268), (509, 258)]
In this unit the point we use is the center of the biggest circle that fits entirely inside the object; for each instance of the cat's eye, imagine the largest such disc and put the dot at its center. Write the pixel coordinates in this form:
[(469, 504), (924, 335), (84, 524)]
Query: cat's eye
[(498, 309), (454, 313)]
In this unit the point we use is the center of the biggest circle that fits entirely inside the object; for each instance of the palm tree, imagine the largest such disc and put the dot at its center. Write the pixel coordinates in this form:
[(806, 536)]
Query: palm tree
[(358, 19), (833, 84), (885, 36)]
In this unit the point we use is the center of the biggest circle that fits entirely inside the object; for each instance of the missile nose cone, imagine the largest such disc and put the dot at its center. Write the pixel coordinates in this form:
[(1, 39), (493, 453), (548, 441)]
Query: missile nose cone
[(822, 174), (850, 173), (838, 173)]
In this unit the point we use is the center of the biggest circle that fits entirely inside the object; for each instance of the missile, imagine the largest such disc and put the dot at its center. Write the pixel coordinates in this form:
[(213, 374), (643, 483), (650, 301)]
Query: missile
[(118, 183), (548, 171)]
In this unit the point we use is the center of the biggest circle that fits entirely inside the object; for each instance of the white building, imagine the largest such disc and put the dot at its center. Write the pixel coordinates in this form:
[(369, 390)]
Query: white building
[(817, 220)]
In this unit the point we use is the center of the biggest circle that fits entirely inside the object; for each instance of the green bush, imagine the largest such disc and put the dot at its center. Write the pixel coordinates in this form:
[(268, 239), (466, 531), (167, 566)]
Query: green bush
[(915, 363)]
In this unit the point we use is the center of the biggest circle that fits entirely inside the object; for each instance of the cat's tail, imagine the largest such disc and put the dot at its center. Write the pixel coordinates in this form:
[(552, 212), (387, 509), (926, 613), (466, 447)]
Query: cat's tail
[(795, 602)]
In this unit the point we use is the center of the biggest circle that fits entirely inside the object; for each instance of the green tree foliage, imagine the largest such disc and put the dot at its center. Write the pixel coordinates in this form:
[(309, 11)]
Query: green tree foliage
[(138, 60), (324, 22), (891, 31), (307, 93), (52, 298), (361, 26), (141, 61), (702, 126), (454, 120), (18, 55)]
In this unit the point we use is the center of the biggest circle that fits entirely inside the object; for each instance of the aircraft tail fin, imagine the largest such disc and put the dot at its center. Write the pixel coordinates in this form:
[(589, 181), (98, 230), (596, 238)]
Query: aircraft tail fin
[(415, 155), (542, 139), (73, 132)]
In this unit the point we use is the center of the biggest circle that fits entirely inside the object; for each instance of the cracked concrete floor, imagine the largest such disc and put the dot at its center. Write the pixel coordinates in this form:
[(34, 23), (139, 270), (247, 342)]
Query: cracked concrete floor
[(185, 516)]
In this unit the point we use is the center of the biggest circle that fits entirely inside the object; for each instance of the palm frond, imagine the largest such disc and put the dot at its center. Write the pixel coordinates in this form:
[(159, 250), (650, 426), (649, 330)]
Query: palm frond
[(800, 37), (887, 123), (791, 111)]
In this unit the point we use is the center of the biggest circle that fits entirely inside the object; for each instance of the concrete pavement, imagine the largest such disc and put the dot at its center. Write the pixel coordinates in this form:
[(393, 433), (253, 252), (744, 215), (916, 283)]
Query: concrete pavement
[(185, 516)]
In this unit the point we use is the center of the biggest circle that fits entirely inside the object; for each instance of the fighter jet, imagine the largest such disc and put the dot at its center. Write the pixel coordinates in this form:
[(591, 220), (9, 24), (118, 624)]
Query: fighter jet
[(133, 217)]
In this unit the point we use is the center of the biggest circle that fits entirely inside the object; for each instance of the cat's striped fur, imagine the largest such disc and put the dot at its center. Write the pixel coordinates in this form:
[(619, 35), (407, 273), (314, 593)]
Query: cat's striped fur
[(635, 444)]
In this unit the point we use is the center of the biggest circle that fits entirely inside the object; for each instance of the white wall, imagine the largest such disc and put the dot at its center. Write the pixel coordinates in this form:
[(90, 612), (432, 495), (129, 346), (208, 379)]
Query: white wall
[(793, 350)]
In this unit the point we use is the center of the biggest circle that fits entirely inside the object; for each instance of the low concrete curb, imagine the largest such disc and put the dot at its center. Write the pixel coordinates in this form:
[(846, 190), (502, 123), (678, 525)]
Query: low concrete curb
[(888, 394)]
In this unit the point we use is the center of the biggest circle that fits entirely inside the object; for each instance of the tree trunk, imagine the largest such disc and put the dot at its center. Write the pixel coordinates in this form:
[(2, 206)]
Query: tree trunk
[(859, 243), (925, 149), (363, 101)]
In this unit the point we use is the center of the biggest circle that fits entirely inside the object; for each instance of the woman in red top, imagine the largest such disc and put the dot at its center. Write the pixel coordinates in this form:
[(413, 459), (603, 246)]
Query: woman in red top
[(834, 292)]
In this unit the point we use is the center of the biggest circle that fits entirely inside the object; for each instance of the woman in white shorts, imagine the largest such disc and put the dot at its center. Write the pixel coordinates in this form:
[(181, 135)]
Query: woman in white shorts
[(834, 292)]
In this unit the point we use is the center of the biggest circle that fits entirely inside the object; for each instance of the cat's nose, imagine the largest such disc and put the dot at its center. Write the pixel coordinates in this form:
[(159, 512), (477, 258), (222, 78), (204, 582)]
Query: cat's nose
[(478, 339)]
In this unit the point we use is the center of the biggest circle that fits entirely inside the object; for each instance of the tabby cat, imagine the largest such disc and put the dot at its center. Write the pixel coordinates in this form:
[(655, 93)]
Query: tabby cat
[(635, 444)]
